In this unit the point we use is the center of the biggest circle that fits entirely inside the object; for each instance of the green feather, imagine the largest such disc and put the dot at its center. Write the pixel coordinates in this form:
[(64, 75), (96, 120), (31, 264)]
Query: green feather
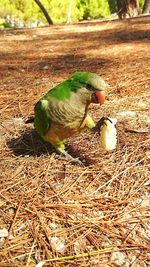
[(90, 78), (82, 77), (63, 90)]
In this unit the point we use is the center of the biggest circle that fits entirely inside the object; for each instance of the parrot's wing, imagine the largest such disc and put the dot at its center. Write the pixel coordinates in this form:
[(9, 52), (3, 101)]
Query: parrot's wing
[(62, 91), (42, 120)]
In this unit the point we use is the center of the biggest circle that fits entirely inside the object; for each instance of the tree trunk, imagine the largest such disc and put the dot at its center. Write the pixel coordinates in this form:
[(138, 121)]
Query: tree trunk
[(49, 20), (69, 20), (146, 7), (127, 8)]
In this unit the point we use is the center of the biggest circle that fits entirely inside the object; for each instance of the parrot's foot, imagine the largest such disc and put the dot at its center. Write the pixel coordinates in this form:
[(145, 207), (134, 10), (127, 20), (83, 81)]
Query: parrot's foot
[(98, 125), (69, 157), (72, 159)]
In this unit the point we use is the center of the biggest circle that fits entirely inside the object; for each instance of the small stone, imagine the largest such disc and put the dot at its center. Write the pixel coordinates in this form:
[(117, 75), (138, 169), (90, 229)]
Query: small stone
[(11, 211), (18, 121), (127, 113), (118, 258), (3, 232), (46, 67), (58, 244), (80, 245), (53, 226)]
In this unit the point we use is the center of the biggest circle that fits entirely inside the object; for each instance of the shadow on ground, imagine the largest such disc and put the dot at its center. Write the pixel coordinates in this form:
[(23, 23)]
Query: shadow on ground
[(30, 144)]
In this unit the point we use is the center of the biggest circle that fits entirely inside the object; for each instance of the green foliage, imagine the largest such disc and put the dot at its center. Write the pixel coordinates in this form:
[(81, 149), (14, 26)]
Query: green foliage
[(28, 11), (141, 4), (113, 6), (4, 24), (94, 9), (81, 10)]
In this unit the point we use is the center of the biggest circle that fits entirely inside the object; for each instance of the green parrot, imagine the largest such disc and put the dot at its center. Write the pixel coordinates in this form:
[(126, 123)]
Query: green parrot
[(63, 111)]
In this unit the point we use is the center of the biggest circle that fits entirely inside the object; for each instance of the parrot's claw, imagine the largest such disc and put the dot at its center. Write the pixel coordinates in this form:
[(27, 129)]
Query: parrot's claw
[(70, 158), (77, 161), (98, 125)]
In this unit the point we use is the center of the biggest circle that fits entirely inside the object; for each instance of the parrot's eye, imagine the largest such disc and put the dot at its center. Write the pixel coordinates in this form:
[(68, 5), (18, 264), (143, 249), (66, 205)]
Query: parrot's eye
[(88, 86)]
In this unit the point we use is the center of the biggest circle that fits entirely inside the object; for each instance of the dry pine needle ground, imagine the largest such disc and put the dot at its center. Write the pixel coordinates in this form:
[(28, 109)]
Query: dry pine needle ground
[(55, 213)]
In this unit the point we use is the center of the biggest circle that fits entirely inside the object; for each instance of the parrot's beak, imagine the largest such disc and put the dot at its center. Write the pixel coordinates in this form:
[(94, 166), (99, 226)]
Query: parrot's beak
[(99, 97)]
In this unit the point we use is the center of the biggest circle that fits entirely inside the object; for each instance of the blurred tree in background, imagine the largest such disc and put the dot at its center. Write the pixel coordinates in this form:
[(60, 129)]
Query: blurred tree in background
[(19, 13), (48, 18), (128, 8), (146, 7)]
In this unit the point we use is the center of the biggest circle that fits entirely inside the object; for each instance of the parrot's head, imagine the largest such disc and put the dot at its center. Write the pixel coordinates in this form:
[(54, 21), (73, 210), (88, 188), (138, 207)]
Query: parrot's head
[(93, 87)]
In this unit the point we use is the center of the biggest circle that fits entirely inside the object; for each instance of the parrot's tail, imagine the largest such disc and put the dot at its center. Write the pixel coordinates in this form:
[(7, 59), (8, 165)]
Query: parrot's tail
[(30, 120)]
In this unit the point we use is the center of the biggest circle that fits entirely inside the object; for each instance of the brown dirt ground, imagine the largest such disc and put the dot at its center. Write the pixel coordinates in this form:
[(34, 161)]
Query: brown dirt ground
[(51, 208)]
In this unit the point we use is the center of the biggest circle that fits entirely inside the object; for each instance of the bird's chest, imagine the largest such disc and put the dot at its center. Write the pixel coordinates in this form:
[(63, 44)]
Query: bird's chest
[(58, 132), (69, 115), (66, 120)]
